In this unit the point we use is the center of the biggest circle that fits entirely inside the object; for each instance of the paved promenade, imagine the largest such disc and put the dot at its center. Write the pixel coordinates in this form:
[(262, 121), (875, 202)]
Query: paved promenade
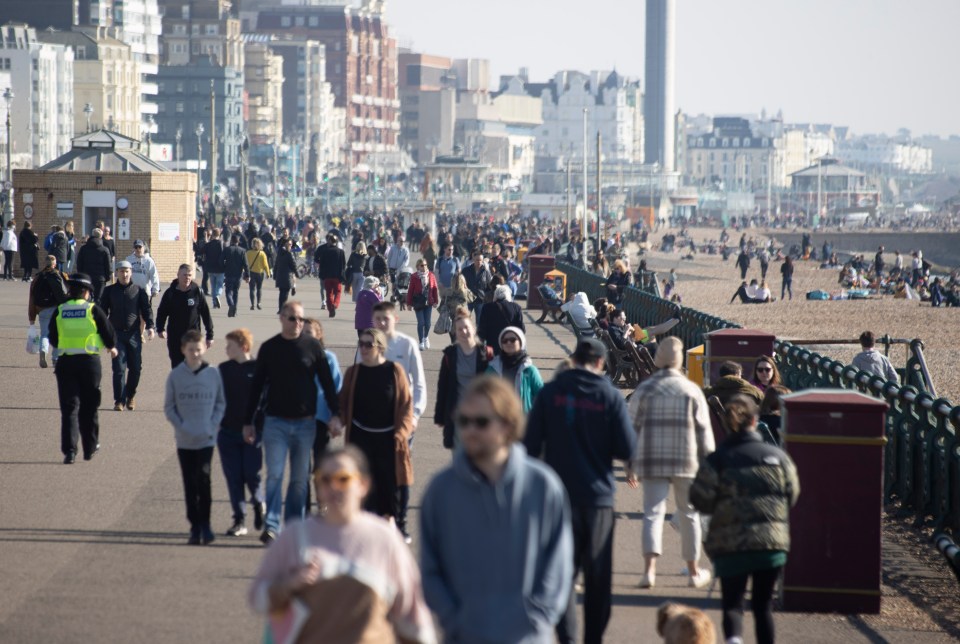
[(95, 552)]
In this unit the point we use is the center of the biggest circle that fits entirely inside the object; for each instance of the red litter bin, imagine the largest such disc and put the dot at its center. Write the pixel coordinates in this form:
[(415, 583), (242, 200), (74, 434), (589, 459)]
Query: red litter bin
[(743, 346), (836, 438), (539, 266)]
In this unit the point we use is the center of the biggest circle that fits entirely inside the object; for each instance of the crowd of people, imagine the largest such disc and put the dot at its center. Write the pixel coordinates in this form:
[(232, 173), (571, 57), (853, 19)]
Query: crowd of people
[(520, 446)]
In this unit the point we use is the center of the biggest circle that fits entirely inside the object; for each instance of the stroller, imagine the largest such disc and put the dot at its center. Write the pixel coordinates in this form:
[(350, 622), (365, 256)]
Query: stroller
[(401, 284)]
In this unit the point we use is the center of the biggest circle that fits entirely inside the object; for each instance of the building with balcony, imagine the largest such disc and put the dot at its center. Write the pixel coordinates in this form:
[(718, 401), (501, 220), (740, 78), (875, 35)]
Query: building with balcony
[(361, 66), (41, 112), (263, 78), (886, 155)]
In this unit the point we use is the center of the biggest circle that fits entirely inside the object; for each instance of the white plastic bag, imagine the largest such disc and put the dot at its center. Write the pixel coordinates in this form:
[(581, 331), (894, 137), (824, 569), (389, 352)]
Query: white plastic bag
[(33, 339)]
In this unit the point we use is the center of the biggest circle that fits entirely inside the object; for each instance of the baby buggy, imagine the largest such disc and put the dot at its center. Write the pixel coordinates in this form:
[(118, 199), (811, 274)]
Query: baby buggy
[(401, 284)]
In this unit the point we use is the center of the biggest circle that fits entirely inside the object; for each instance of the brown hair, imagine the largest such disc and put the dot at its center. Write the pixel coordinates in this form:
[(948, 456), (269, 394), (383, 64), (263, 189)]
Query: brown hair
[(349, 451), (385, 307), (243, 337), (316, 327), (461, 312), (739, 413), (771, 399), (504, 401), (775, 379), (189, 337), (867, 339)]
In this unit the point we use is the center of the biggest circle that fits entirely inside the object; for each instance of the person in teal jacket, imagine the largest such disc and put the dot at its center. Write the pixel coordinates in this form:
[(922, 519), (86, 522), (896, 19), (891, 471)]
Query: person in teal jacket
[(514, 365)]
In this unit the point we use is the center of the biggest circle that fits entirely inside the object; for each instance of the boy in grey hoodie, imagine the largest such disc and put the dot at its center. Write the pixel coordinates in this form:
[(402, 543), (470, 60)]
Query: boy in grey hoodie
[(194, 405)]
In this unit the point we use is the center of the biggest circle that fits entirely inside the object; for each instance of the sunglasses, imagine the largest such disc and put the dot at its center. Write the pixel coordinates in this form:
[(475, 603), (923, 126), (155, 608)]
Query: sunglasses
[(294, 318), (510, 340), (480, 422), (764, 370), (366, 344), (337, 480)]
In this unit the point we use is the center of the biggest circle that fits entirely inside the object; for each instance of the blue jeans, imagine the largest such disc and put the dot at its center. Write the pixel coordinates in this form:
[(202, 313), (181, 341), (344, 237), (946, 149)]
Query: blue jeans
[(216, 284), (423, 323), (43, 319), (233, 290), (241, 468), (129, 347), (282, 436)]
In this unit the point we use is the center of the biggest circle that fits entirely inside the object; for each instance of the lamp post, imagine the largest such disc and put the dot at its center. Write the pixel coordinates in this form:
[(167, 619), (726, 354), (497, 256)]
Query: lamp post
[(88, 112), (584, 231), (149, 129), (8, 98), (176, 151), (199, 132)]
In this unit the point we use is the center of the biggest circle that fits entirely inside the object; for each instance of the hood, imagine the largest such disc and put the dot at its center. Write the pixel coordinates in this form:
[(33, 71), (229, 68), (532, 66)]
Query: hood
[(582, 381), (520, 334), (581, 299), (465, 470), (193, 287)]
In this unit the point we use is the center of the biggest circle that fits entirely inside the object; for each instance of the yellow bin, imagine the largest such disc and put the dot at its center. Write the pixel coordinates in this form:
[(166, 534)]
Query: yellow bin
[(696, 359), (558, 280)]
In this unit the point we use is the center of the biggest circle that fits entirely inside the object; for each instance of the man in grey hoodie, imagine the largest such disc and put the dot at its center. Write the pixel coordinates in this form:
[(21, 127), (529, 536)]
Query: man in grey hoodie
[(497, 551), (194, 404), (872, 361)]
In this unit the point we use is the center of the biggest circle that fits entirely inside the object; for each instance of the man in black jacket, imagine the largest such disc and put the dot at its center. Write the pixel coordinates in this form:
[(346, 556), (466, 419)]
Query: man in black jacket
[(127, 306), (234, 270), (578, 425), (182, 307), (94, 260), (331, 264), (213, 265), (478, 279)]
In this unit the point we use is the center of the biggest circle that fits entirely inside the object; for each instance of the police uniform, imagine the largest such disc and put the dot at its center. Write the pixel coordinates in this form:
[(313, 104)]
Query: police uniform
[(80, 330)]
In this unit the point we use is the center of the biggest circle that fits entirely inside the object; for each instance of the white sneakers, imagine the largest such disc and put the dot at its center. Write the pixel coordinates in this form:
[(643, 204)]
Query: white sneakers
[(425, 344), (701, 579)]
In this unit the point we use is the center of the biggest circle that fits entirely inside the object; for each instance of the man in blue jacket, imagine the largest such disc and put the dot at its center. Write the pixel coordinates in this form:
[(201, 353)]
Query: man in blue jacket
[(578, 425), (497, 552)]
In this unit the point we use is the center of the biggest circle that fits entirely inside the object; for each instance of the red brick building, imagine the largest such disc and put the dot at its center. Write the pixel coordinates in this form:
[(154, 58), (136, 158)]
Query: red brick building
[(361, 63)]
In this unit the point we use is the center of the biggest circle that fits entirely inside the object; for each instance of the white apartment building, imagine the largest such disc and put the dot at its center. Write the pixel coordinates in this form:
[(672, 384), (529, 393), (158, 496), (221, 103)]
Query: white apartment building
[(886, 155), (42, 81), (614, 106)]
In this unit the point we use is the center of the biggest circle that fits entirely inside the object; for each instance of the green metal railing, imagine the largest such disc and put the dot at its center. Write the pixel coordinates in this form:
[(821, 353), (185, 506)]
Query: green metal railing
[(922, 460)]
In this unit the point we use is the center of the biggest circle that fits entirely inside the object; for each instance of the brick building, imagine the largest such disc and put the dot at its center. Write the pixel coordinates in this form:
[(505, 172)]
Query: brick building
[(104, 177), (361, 65)]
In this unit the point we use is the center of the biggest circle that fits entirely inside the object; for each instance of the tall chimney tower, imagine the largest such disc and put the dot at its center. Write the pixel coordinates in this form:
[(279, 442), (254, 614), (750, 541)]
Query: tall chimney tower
[(658, 106)]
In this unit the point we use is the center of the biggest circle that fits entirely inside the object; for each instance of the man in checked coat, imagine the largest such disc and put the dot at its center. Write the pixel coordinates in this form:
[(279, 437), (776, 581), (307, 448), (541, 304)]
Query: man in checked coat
[(672, 421)]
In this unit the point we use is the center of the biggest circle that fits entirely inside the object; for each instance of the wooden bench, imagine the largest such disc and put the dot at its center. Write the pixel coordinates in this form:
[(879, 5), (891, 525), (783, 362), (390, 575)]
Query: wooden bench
[(552, 309), (620, 363)]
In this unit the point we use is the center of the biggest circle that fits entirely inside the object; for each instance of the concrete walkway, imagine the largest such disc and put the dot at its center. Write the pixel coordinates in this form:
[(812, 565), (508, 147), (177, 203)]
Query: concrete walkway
[(95, 552)]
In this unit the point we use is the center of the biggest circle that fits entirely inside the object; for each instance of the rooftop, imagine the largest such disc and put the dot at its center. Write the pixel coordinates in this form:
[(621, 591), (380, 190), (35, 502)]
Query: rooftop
[(104, 151)]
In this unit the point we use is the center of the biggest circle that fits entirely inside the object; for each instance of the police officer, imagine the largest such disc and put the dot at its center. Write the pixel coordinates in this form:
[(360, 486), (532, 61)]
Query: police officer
[(80, 330)]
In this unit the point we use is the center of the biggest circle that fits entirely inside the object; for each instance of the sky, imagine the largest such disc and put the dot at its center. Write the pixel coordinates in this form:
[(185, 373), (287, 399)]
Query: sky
[(873, 65)]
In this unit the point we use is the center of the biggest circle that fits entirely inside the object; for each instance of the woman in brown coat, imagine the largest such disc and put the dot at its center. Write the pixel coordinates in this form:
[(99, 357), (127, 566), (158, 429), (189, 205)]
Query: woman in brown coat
[(376, 408)]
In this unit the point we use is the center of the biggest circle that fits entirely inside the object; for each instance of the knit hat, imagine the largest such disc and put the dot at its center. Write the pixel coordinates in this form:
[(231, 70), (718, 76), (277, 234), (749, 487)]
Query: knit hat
[(516, 331), (669, 353)]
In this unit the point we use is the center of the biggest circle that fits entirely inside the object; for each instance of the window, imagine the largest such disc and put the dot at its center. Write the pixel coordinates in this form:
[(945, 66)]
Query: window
[(736, 142), (180, 30), (195, 30), (746, 141), (725, 142), (314, 21), (179, 107), (766, 142), (336, 46), (713, 143), (700, 142), (211, 30), (285, 21), (185, 12), (196, 48), (299, 21), (180, 88), (162, 87)]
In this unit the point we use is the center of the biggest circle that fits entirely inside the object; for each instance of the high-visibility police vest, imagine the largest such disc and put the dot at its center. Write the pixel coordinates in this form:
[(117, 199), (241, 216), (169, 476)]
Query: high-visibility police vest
[(76, 330)]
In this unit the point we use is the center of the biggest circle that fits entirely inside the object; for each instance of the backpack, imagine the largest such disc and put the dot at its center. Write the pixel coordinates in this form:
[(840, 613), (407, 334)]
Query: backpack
[(50, 290)]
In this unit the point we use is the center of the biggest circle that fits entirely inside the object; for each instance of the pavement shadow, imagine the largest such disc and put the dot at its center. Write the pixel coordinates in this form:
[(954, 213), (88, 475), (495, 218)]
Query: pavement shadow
[(115, 537), (549, 333), (654, 601)]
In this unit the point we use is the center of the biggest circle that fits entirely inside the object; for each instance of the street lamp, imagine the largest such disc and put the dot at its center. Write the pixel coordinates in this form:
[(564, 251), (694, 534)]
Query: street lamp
[(148, 129), (8, 98), (88, 112), (176, 152), (199, 132)]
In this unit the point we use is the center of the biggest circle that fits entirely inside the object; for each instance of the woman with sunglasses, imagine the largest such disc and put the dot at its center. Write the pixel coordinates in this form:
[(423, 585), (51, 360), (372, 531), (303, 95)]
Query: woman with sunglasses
[(515, 366), (351, 572), (376, 408), (765, 373)]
